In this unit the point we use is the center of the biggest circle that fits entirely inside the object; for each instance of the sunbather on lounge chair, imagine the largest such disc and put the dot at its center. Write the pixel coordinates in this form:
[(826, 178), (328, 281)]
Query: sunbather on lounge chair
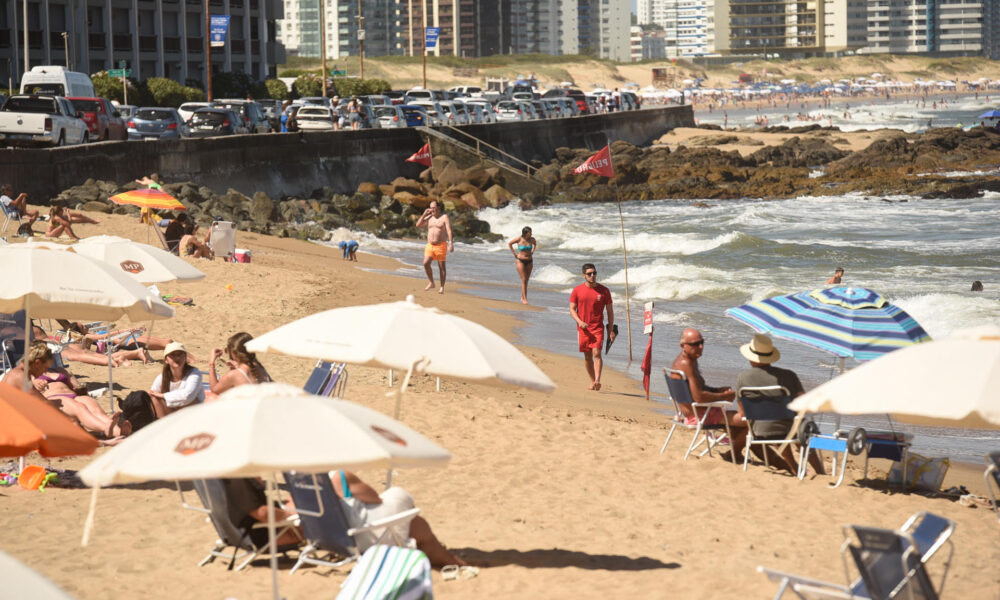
[(39, 361), (61, 386), (369, 505), (247, 497), (81, 333), (244, 368), (78, 352)]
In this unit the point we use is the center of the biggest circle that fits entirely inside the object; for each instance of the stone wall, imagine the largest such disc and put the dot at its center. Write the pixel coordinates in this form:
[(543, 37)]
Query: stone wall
[(298, 163)]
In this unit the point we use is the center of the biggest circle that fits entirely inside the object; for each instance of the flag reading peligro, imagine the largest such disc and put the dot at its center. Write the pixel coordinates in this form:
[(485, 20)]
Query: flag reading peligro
[(422, 156), (599, 164)]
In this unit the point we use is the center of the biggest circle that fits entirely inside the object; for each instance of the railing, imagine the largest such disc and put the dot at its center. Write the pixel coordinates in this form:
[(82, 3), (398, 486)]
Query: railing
[(96, 41), (147, 43), (480, 143), (171, 44), (195, 45), (121, 41)]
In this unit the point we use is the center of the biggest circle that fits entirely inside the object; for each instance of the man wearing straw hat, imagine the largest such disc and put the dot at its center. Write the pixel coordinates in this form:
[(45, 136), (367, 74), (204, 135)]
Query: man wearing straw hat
[(762, 373)]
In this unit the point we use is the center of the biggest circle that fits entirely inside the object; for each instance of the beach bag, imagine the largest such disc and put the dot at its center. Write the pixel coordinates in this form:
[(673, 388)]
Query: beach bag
[(24, 230), (922, 473), (385, 572), (137, 409)]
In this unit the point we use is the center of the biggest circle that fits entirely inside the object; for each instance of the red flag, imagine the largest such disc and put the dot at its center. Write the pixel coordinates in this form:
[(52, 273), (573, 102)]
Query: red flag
[(647, 365), (599, 163), (422, 156)]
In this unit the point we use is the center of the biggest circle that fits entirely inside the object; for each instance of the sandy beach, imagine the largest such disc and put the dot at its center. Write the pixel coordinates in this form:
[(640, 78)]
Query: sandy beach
[(565, 495)]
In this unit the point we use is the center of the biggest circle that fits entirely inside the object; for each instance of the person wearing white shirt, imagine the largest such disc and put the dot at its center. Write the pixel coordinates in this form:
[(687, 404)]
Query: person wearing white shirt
[(183, 382), (20, 203)]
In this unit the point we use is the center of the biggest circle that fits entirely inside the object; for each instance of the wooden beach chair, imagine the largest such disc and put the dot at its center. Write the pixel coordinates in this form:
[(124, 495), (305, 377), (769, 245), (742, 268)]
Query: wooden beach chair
[(890, 564), (326, 527), (680, 393), (758, 407), (226, 502)]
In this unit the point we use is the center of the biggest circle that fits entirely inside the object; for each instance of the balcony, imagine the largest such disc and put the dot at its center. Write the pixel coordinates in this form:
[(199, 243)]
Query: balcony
[(171, 44), (95, 41), (195, 45), (238, 46), (121, 41), (35, 38), (147, 43)]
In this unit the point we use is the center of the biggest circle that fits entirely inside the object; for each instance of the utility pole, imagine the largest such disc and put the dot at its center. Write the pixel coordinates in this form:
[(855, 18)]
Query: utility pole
[(24, 10), (65, 37), (208, 53), (322, 41), (423, 45), (361, 39)]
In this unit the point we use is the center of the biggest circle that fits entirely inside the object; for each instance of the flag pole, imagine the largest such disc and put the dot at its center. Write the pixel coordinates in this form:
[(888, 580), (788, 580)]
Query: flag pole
[(621, 220)]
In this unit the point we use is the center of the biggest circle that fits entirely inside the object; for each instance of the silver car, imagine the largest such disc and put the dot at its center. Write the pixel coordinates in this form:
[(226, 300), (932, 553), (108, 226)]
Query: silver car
[(508, 110), (156, 123), (389, 116), (488, 114), (316, 118)]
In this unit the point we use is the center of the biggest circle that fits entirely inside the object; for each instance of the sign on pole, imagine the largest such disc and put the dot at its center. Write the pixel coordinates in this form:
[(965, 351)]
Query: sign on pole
[(431, 35), (647, 318), (218, 26), (361, 35)]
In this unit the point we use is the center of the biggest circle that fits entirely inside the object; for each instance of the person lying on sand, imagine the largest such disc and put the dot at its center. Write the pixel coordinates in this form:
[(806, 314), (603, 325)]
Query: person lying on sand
[(82, 334), (79, 352), (88, 415)]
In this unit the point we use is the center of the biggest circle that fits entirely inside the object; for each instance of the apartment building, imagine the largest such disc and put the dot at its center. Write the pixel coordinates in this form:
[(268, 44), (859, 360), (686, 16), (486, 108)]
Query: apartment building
[(845, 26), (157, 38), (685, 24), (958, 27), (300, 30)]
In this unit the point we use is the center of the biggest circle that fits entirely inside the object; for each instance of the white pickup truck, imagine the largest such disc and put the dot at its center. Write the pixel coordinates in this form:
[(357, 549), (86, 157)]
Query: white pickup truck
[(29, 120)]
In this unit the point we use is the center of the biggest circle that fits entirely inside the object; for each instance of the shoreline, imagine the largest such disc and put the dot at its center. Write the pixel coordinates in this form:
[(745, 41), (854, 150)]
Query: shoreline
[(535, 478)]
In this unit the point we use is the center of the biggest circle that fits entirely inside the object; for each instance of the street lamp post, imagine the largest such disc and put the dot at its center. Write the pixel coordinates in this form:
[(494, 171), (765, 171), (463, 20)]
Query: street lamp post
[(423, 44), (24, 11), (361, 39), (208, 53), (65, 37), (322, 42)]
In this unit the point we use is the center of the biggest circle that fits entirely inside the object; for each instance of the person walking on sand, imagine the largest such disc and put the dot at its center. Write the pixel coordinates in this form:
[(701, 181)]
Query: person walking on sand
[(439, 242), (524, 248), (836, 277), (587, 305)]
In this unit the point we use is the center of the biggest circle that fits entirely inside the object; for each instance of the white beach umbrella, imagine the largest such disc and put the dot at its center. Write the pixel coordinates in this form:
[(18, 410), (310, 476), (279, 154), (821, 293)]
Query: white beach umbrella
[(256, 430), (142, 262), (951, 382), (21, 581), (406, 336)]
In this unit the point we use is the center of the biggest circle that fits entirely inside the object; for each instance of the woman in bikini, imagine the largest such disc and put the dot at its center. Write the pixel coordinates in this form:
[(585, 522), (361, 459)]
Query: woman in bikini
[(78, 351), (524, 248), (54, 387), (244, 368), (59, 223)]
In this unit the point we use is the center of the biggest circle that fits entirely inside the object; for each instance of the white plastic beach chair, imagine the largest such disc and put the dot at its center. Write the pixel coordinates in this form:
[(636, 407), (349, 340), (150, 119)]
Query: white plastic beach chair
[(992, 476), (680, 393), (759, 407), (10, 214), (223, 239)]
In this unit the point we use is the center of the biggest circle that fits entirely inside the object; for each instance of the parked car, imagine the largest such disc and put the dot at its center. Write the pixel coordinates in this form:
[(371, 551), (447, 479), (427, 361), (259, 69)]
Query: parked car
[(127, 111), (316, 118), (467, 90), (634, 99), (454, 113), (555, 108), (377, 99), (187, 109), (251, 113), (435, 112), (509, 110), (575, 94), (543, 110), (272, 111), (570, 107), (391, 116), (530, 112), (29, 120), (415, 116), (214, 121), (156, 123), (102, 119), (477, 114), (315, 101), (489, 114), (463, 108)]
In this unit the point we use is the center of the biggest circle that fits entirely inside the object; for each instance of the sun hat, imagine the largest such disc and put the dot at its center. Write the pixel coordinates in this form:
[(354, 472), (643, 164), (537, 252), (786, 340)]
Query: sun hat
[(174, 347), (760, 350)]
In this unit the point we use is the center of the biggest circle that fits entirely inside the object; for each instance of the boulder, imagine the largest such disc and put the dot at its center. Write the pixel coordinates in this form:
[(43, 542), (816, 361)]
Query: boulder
[(449, 175), (419, 202), (480, 176), (402, 184), (101, 207), (497, 197), (367, 187), (475, 198), (261, 208)]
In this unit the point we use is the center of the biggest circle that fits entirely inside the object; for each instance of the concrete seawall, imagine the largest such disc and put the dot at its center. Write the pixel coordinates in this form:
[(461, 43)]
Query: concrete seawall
[(298, 163)]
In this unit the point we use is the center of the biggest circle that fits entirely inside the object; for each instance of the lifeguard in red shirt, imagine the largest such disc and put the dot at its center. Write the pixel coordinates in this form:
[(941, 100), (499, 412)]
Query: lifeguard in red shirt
[(587, 305)]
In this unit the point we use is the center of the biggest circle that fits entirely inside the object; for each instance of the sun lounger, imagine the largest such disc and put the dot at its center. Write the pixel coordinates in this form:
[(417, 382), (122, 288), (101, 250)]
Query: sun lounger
[(890, 564), (327, 379), (326, 526), (680, 393), (226, 503)]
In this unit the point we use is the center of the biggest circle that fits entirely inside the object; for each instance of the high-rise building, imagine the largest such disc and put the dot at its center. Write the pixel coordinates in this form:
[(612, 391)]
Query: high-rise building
[(300, 30), (944, 27), (165, 38), (685, 24)]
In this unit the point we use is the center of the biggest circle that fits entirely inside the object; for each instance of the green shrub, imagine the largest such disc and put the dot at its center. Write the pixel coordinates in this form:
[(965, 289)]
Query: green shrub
[(111, 88), (276, 89), (165, 92), (360, 87), (308, 84)]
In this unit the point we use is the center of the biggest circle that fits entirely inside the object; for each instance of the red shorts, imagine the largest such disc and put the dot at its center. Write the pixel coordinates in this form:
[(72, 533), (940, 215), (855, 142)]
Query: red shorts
[(590, 338), (715, 417)]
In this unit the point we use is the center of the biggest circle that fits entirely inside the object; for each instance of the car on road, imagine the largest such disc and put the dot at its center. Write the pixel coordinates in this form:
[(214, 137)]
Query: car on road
[(316, 118), (573, 93), (248, 110), (102, 118), (435, 112), (127, 111), (272, 111), (509, 110), (157, 123), (395, 116), (187, 109), (40, 120), (214, 121)]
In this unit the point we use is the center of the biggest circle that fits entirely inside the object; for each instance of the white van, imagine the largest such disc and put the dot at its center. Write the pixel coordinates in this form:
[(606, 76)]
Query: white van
[(57, 81)]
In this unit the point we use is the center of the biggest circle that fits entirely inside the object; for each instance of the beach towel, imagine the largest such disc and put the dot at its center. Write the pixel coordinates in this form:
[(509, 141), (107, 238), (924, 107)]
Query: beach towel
[(177, 300), (385, 572)]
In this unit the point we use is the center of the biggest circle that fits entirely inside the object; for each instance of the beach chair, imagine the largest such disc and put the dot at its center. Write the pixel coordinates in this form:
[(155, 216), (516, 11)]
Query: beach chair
[(327, 379), (680, 393), (890, 564), (222, 241), (759, 407), (326, 527), (992, 476), (226, 502), (10, 214)]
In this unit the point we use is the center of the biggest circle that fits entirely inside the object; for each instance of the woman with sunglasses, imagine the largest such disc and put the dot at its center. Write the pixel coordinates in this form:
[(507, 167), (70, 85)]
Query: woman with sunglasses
[(179, 385)]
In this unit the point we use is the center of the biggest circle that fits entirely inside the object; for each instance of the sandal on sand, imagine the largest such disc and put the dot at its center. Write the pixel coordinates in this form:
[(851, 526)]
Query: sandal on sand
[(455, 572)]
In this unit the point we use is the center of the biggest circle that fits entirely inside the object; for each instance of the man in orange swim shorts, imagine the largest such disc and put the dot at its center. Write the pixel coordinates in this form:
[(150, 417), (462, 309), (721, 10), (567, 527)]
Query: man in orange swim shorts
[(587, 304), (439, 242)]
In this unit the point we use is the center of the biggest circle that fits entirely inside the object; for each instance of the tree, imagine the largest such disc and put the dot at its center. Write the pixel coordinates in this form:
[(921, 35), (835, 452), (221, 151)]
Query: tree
[(112, 89), (166, 92), (276, 89)]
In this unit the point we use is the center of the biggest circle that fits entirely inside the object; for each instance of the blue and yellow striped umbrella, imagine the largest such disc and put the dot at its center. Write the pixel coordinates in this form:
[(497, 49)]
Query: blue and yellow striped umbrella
[(848, 322)]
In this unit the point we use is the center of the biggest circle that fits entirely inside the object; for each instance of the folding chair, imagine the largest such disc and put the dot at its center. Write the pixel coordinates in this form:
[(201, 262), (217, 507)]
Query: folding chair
[(680, 393), (760, 407), (890, 564), (10, 214), (326, 527), (226, 503), (222, 241), (992, 476), (327, 379)]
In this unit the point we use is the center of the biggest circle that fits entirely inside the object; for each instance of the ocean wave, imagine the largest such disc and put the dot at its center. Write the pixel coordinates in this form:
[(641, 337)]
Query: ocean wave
[(553, 275), (941, 314), (654, 243)]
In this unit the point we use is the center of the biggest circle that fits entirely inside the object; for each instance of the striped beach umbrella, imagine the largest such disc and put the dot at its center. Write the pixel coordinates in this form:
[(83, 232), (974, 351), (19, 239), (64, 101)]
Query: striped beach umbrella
[(848, 322), (151, 198)]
